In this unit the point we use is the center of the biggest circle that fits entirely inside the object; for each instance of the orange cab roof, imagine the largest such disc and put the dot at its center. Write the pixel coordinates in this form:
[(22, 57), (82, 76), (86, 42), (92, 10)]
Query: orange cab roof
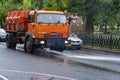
[(46, 12)]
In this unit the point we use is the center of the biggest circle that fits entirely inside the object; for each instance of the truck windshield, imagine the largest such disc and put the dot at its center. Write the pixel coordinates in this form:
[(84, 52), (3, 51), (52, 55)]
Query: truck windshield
[(51, 18)]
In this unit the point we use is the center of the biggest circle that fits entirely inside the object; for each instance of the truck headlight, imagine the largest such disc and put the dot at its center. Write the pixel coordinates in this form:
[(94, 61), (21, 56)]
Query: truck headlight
[(42, 42), (66, 42)]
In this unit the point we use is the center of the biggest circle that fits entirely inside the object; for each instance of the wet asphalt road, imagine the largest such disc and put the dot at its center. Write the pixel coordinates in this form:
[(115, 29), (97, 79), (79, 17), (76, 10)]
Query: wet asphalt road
[(52, 65)]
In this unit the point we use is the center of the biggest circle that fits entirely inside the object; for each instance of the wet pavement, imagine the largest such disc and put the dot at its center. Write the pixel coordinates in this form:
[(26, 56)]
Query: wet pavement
[(22, 75), (53, 65)]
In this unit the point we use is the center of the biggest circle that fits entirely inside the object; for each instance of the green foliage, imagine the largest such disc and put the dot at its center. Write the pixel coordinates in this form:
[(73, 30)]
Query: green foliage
[(94, 12), (59, 5), (27, 5), (11, 5), (5, 7), (103, 12)]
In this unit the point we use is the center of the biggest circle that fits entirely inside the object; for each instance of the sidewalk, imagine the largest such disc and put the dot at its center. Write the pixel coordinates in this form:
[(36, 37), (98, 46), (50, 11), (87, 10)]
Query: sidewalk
[(101, 49)]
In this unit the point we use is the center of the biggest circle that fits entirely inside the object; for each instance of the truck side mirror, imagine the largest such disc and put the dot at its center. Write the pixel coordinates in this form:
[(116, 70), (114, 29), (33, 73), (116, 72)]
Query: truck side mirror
[(69, 20), (30, 19)]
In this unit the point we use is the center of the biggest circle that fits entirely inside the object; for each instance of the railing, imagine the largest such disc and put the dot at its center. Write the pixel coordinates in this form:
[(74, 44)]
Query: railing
[(103, 41)]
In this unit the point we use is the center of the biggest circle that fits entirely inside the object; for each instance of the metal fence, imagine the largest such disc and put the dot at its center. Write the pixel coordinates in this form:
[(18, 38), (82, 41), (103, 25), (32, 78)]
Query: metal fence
[(103, 41)]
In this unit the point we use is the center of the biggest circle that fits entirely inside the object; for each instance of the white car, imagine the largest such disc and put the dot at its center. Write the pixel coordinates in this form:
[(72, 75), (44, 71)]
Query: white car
[(75, 42), (2, 34)]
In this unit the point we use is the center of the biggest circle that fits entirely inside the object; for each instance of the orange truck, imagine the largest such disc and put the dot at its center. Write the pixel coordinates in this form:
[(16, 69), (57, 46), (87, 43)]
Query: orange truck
[(37, 29)]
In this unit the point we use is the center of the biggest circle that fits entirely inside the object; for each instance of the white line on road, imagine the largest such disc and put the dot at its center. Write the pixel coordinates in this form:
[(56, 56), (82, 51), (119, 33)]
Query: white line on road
[(42, 74), (3, 78)]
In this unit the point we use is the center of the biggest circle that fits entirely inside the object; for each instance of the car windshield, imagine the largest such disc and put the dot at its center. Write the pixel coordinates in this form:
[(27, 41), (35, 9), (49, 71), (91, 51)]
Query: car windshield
[(51, 18), (73, 35)]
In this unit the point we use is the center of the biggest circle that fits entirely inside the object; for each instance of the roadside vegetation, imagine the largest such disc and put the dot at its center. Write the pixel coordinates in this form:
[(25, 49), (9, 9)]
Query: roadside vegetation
[(94, 12)]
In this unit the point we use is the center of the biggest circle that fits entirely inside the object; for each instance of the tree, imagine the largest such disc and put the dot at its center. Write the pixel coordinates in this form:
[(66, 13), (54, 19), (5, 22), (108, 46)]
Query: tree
[(28, 5), (96, 12), (11, 5), (5, 7), (59, 5)]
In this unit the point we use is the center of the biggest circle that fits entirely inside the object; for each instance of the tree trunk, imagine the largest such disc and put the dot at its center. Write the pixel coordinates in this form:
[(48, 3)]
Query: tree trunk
[(89, 17), (89, 24)]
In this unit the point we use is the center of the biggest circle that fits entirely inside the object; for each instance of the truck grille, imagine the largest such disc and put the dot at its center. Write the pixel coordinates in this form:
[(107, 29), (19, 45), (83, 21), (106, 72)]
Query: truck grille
[(53, 35)]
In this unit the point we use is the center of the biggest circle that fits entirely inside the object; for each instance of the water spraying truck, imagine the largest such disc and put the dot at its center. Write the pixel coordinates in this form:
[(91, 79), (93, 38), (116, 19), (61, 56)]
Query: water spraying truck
[(37, 29)]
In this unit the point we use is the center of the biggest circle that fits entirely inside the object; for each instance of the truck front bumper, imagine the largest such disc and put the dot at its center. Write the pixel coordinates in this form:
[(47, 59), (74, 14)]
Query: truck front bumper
[(51, 42)]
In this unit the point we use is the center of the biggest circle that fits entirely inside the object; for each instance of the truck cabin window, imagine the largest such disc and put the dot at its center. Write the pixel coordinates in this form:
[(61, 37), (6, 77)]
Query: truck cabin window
[(30, 19), (51, 19)]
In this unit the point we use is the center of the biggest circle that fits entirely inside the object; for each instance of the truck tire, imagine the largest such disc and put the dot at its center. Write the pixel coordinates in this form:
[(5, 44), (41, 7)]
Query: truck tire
[(10, 44), (13, 45), (52, 48), (57, 48), (60, 49), (29, 46)]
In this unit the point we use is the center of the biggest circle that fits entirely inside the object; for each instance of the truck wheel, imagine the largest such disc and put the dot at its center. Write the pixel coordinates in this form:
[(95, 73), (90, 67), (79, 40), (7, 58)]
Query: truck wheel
[(13, 45), (60, 49), (57, 48), (52, 48), (29, 46), (8, 44)]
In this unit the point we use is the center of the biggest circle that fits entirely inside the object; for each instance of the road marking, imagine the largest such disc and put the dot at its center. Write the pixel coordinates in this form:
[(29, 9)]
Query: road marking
[(36, 73), (3, 78)]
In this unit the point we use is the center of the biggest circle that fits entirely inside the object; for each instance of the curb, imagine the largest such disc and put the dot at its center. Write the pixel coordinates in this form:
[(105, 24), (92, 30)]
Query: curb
[(101, 49), (92, 65)]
